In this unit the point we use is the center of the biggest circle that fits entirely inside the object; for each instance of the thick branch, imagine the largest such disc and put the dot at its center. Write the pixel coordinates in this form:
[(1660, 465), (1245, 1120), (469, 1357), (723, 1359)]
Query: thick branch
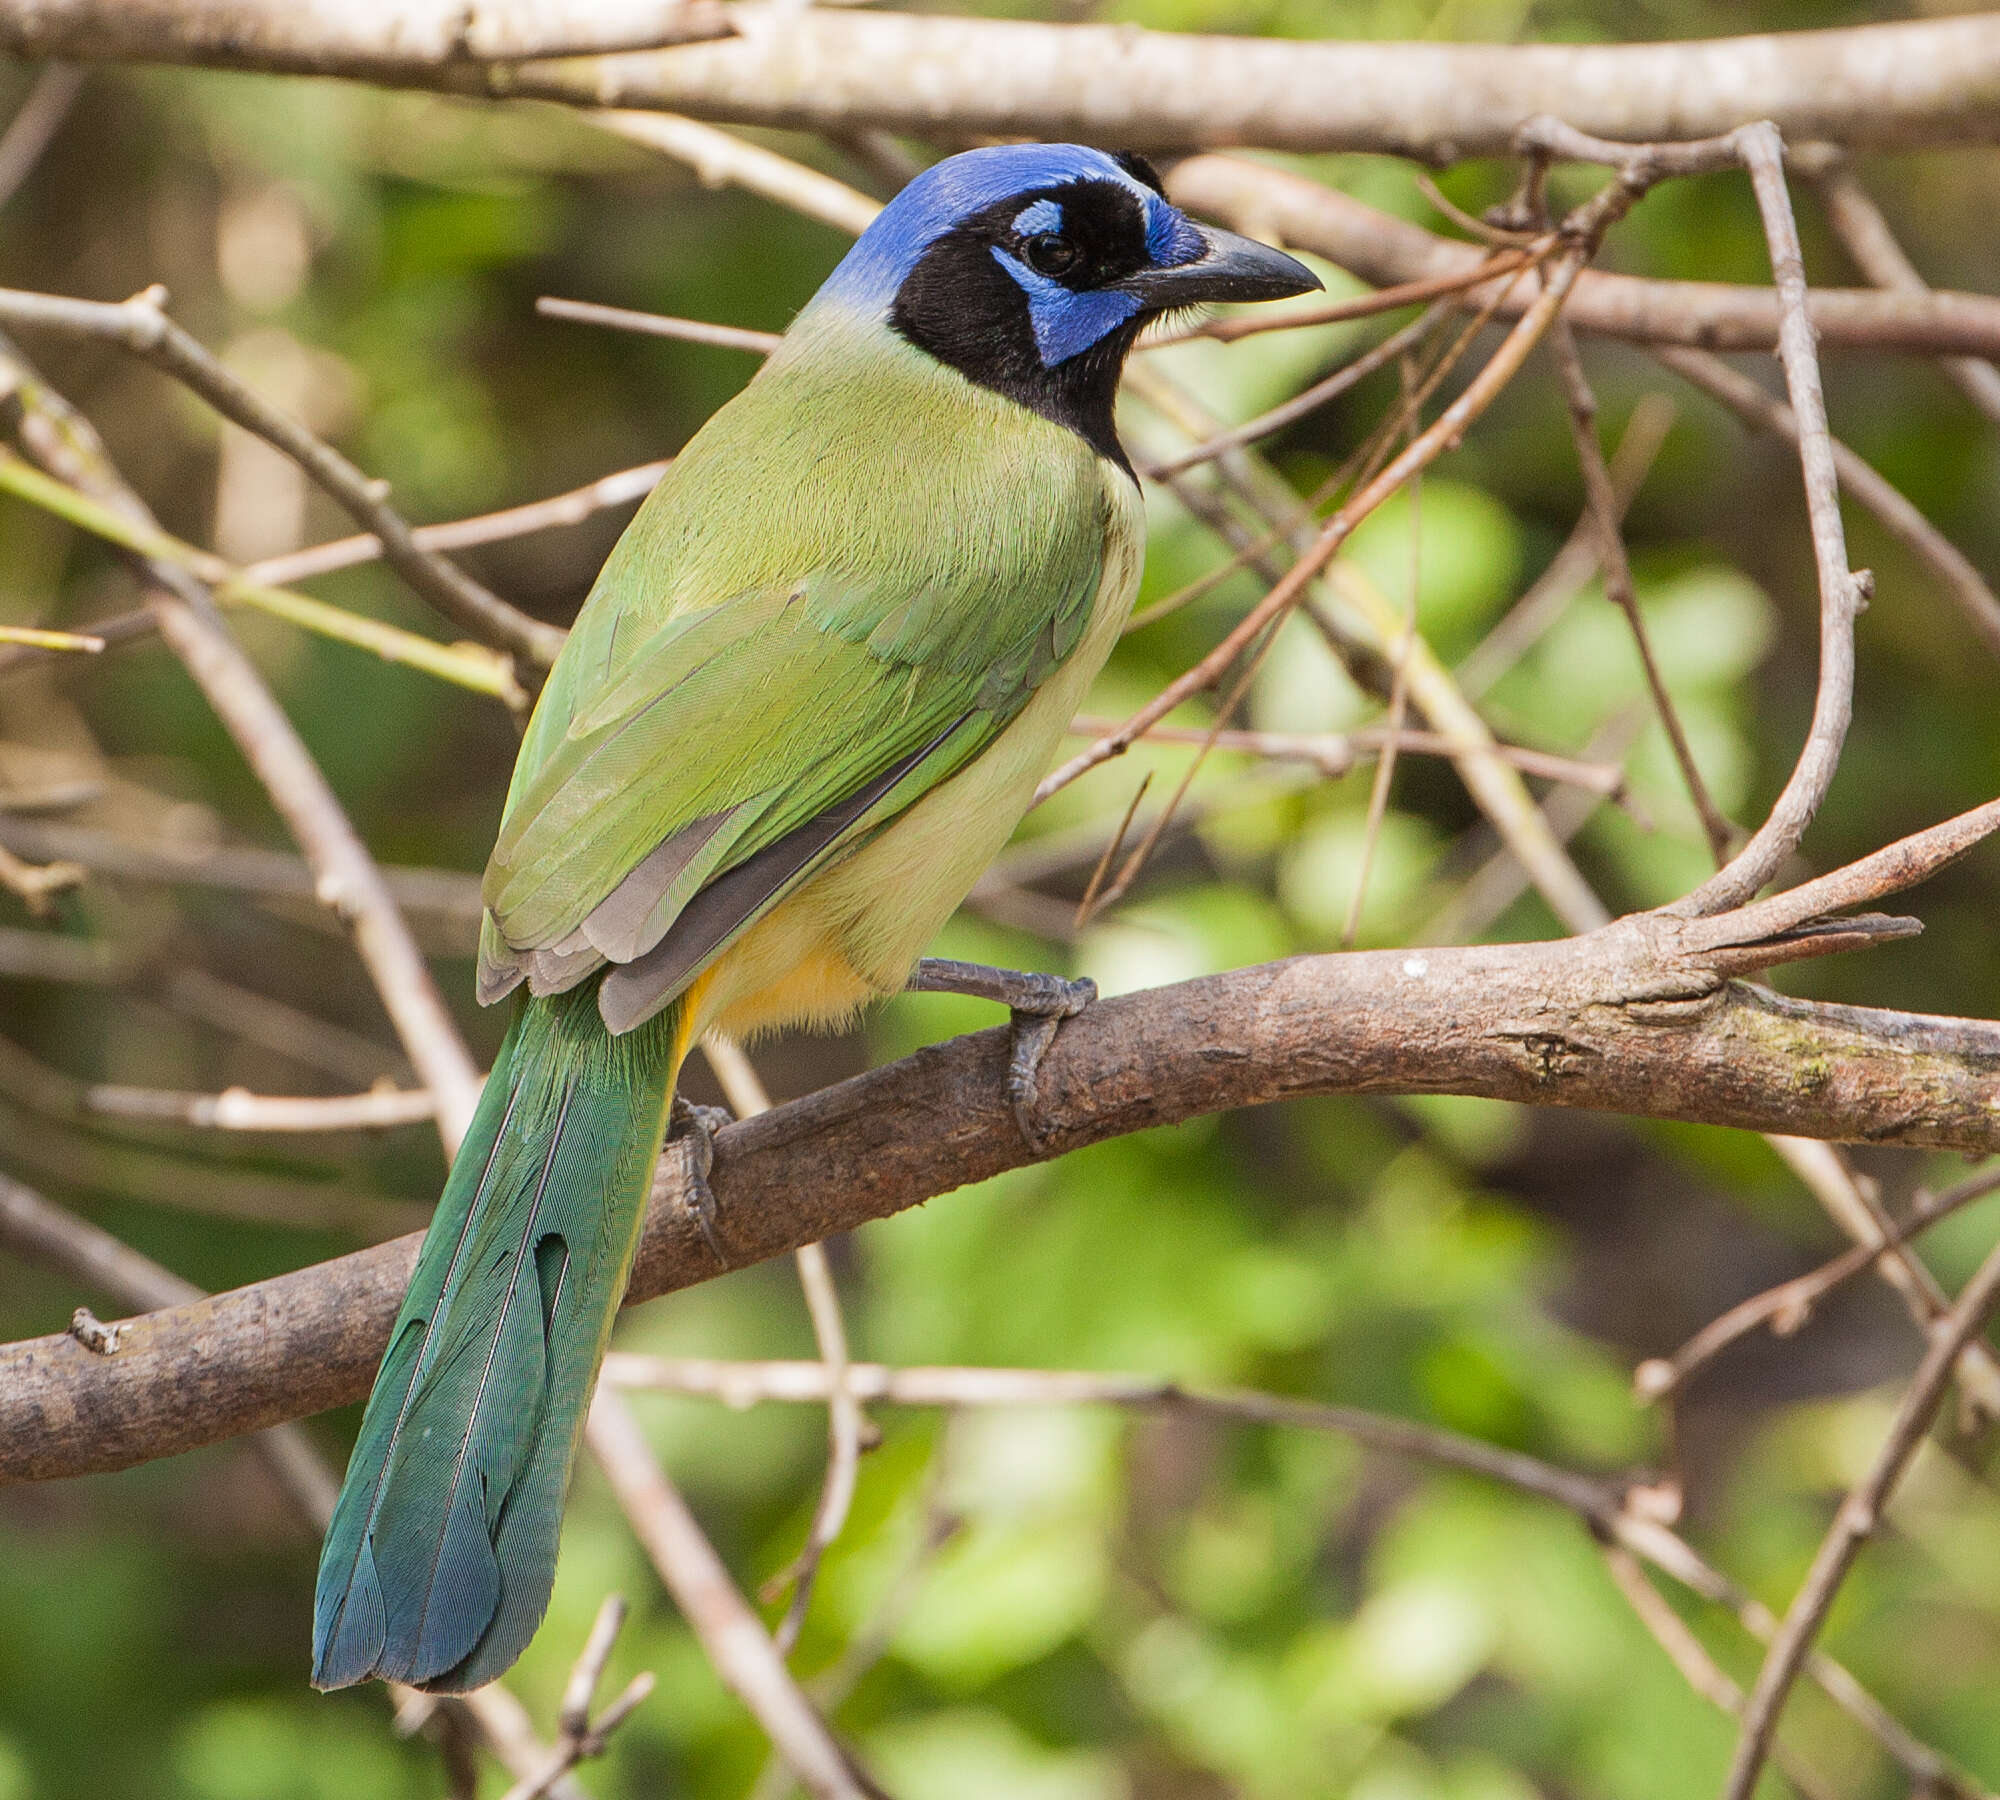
[(1929, 82), (423, 42), (1636, 1018)]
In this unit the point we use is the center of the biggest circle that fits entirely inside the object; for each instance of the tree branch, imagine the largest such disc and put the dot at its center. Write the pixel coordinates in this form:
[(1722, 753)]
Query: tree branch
[(1708, 315), (1928, 82), (442, 43), (1639, 1017)]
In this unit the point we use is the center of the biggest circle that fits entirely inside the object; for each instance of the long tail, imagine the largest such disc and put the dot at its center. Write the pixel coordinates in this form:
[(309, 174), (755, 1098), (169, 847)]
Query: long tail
[(442, 1550)]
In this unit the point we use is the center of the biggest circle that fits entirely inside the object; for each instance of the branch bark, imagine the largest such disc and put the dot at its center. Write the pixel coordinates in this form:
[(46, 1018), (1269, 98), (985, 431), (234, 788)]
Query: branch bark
[(1925, 82), (1709, 315), (1640, 1017), (420, 41)]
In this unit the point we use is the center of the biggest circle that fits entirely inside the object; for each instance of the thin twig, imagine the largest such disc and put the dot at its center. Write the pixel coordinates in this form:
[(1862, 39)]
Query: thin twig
[(1865, 234), (450, 897), (691, 331), (34, 637), (736, 1641), (1362, 306), (1359, 624), (721, 159), (1852, 1203), (580, 1737), (1301, 405), (1861, 480), (1403, 649), (1690, 1656), (616, 489), (35, 123), (1620, 1511), (846, 1423), (1601, 502), (140, 325), (1855, 1523), (473, 666), (237, 1109), (1529, 619), (1449, 426), (1334, 753), (1787, 1307), (345, 878)]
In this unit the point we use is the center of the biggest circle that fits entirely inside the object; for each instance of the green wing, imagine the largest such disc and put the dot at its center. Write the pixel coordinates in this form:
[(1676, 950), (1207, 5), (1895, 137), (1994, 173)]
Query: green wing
[(683, 774)]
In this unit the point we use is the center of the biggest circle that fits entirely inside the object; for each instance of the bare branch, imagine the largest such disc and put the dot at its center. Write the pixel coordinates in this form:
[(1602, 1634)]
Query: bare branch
[(345, 878), (692, 331), (579, 1736), (1786, 1307), (447, 896), (1855, 1523), (845, 1423), (237, 1109), (1842, 592), (1334, 753), (1707, 315), (723, 160), (1864, 233), (431, 42), (141, 326), (56, 1239), (40, 117), (735, 1639), (1916, 83), (1531, 616), (1601, 500), (1449, 426), (1623, 1513), (1860, 480), (1639, 1017), (616, 489), (1852, 1203)]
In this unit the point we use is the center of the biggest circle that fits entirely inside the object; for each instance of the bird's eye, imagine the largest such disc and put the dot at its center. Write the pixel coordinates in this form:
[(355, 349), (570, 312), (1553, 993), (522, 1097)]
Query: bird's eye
[(1049, 253)]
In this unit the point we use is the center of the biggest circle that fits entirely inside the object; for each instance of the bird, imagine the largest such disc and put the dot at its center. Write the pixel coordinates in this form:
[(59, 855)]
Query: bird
[(807, 699)]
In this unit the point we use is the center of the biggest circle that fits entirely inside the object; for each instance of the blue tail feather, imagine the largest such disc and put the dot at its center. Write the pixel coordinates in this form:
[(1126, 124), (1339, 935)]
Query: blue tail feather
[(441, 1554)]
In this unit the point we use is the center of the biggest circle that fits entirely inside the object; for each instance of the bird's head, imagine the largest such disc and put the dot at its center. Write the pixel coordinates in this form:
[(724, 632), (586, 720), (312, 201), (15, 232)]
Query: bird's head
[(1031, 268)]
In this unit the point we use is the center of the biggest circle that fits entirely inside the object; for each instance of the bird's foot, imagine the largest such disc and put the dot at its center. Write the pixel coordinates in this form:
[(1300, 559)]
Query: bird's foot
[(695, 1127), (1039, 1004)]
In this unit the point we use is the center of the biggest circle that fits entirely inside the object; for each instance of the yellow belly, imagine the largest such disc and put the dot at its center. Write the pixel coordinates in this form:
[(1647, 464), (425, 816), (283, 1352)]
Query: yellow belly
[(852, 933)]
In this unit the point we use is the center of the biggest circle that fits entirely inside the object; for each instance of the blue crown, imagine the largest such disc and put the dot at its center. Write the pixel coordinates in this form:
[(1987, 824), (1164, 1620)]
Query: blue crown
[(949, 192)]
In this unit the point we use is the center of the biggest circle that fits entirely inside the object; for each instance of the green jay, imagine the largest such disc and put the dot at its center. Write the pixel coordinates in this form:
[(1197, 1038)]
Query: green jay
[(807, 700)]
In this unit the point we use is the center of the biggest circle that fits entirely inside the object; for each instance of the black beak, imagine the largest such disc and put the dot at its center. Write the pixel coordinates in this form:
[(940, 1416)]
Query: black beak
[(1231, 268)]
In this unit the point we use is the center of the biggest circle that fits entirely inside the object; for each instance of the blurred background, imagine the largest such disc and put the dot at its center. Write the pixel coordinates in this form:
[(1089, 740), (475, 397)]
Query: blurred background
[(1066, 1605)]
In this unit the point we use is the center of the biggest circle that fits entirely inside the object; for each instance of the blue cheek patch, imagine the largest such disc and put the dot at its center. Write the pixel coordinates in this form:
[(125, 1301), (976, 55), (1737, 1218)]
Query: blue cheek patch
[(1170, 240), (1044, 215), (1066, 323)]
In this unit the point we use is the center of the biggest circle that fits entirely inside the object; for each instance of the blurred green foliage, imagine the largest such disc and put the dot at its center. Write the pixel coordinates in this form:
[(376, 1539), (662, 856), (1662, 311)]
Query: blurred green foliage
[(1075, 1604)]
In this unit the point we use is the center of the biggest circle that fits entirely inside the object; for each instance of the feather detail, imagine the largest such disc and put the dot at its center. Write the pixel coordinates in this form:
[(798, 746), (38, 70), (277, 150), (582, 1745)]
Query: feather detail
[(442, 1550)]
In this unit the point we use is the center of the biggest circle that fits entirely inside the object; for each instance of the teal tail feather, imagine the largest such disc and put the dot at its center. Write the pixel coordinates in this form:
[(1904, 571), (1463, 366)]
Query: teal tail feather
[(442, 1550)]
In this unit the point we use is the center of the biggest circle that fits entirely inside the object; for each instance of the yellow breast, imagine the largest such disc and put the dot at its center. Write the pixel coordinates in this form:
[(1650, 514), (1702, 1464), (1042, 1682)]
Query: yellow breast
[(852, 933)]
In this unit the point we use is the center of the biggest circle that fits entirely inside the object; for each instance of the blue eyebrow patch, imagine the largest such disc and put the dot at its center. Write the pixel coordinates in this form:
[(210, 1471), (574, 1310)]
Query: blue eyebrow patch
[(1170, 239), (1044, 215)]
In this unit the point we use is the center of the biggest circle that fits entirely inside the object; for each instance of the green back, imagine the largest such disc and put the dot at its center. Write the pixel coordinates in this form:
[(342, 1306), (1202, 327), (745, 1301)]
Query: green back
[(816, 595)]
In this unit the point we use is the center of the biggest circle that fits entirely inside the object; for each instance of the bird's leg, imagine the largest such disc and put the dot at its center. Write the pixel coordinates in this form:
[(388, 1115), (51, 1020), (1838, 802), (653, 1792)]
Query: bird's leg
[(697, 1125), (1039, 1004)]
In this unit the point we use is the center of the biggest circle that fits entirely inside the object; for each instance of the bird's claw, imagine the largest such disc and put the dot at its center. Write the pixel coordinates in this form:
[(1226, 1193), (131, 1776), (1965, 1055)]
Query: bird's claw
[(695, 1127), (1037, 1019), (1039, 1003)]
